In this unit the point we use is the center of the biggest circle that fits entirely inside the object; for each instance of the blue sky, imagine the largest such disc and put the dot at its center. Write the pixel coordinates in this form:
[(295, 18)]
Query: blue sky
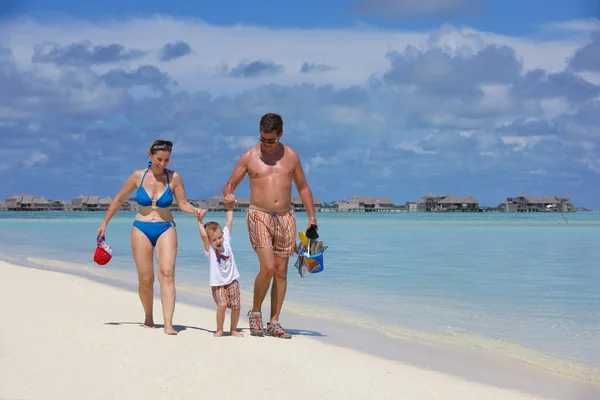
[(509, 16), (390, 98)]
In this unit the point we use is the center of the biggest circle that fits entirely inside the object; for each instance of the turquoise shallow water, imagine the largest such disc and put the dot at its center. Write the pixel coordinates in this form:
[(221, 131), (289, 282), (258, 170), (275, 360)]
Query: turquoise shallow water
[(523, 285)]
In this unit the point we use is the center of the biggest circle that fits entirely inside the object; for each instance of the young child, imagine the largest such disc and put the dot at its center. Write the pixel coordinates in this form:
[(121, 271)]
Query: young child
[(223, 271)]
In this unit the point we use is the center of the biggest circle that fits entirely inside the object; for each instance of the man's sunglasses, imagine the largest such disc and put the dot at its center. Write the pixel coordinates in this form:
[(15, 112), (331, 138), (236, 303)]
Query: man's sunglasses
[(158, 143), (267, 141)]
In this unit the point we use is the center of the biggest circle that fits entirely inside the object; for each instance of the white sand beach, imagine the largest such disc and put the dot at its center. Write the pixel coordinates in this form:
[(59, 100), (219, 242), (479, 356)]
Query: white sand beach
[(66, 337)]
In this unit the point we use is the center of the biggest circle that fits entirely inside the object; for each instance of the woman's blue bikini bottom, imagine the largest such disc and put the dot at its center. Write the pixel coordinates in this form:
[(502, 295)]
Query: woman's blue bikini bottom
[(153, 230)]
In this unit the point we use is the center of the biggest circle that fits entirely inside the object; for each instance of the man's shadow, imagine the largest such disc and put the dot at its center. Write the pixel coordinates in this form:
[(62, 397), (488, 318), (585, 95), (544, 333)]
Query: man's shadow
[(305, 332)]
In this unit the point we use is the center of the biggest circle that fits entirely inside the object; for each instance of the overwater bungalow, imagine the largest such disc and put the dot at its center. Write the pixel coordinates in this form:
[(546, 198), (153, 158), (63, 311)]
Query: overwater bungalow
[(299, 206), (27, 203), (94, 203), (533, 203), (364, 204), (443, 203)]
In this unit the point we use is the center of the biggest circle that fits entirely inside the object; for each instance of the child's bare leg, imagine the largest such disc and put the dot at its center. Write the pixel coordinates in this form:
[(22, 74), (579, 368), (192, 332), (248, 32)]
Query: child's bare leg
[(235, 317), (221, 308)]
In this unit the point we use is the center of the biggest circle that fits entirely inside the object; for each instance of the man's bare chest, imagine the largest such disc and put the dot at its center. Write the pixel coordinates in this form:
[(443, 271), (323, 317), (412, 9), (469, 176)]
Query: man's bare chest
[(259, 168)]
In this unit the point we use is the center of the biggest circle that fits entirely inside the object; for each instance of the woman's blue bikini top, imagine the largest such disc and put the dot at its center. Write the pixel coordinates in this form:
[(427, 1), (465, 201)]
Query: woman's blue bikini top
[(164, 201)]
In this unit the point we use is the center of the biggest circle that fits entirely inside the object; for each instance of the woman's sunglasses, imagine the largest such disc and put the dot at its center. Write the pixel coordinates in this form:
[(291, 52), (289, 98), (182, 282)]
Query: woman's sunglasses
[(158, 143)]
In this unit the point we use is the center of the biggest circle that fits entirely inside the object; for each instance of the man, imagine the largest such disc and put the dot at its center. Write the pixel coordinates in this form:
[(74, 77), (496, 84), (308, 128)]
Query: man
[(271, 167)]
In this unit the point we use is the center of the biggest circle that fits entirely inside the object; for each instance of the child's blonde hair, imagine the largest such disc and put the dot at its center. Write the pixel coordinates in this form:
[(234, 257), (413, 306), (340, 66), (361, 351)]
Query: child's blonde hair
[(211, 227)]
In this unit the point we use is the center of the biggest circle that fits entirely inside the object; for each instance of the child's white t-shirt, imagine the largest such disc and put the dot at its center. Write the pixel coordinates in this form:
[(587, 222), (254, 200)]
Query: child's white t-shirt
[(222, 271)]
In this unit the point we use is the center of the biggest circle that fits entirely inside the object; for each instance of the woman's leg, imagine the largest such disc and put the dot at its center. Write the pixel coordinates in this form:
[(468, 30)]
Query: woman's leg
[(142, 255), (166, 254)]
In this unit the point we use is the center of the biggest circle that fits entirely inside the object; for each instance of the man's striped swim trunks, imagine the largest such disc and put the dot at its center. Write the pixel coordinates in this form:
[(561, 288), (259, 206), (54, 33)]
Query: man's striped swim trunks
[(275, 230)]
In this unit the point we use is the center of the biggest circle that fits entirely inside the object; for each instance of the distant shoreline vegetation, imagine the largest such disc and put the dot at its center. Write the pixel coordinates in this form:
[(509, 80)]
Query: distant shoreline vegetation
[(427, 203)]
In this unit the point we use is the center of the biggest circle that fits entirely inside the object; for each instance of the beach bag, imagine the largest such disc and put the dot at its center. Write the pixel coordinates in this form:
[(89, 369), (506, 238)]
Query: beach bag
[(310, 253), (103, 253)]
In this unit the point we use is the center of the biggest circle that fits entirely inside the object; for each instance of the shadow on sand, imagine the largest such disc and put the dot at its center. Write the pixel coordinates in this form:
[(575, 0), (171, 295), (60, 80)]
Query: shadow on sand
[(178, 328), (181, 328), (305, 332)]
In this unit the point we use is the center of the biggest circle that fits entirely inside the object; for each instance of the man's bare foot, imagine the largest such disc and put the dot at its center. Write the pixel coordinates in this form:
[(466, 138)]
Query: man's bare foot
[(149, 322), (218, 334), (237, 334), (170, 331)]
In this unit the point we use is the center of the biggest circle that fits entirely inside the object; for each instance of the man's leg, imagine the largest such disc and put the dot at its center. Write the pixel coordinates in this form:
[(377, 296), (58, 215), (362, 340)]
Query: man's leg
[(279, 287), (285, 246), (266, 258), (261, 286), (261, 241)]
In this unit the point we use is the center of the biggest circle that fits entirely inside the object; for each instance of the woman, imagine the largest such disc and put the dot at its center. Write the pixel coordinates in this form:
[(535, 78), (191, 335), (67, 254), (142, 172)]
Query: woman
[(154, 228)]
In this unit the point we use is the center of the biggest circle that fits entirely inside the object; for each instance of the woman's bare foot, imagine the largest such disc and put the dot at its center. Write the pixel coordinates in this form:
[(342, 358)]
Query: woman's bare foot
[(170, 330), (149, 322), (218, 334), (237, 334)]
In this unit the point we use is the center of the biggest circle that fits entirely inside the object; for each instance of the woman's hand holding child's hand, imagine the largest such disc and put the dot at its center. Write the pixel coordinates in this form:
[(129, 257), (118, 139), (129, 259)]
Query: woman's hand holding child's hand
[(200, 214)]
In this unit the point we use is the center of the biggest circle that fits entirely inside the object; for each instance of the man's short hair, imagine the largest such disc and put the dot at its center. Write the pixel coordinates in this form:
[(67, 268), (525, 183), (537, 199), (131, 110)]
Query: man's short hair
[(271, 123)]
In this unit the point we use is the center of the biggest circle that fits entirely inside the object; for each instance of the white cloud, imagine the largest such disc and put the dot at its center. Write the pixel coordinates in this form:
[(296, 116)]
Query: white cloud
[(229, 45), (343, 115), (584, 25), (592, 164), (521, 143), (320, 161), (288, 47), (475, 113), (386, 172), (491, 154), (414, 147), (35, 158), (589, 146), (554, 107), (538, 172), (242, 142), (453, 40), (10, 113)]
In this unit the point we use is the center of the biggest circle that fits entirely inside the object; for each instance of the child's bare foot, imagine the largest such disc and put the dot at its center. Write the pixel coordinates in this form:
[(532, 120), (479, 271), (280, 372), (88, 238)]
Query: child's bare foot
[(237, 334), (218, 334), (170, 330), (149, 322)]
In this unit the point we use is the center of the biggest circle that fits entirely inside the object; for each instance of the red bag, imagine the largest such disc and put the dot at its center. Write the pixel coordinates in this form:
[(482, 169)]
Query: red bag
[(103, 252)]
